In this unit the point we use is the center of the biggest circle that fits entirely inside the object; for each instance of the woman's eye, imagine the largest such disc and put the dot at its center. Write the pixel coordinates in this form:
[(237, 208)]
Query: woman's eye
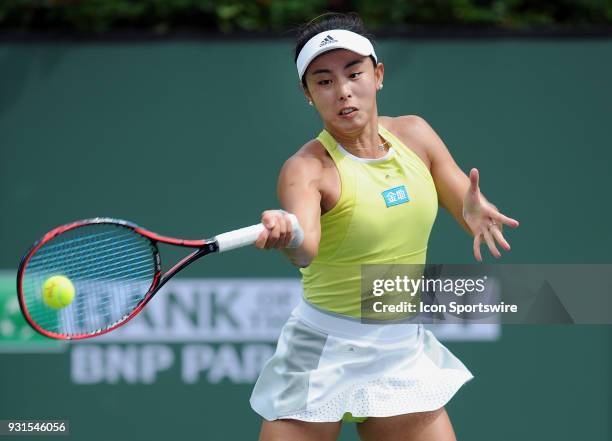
[(355, 74), (324, 82)]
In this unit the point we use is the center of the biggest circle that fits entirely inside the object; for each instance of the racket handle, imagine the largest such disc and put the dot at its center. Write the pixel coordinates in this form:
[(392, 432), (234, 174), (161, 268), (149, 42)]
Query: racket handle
[(248, 235)]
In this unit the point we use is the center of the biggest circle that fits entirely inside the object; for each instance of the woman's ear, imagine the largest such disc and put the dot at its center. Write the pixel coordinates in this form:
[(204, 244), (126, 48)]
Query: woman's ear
[(379, 73), (306, 93)]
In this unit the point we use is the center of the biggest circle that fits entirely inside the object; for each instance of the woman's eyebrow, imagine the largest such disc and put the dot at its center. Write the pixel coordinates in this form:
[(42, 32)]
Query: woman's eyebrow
[(349, 64)]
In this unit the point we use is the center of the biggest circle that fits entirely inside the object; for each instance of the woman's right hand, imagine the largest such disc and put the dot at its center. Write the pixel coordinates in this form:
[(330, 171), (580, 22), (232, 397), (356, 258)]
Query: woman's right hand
[(278, 231)]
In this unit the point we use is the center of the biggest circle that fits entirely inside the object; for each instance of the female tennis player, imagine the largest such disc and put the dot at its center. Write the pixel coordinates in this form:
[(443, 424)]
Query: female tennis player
[(365, 191)]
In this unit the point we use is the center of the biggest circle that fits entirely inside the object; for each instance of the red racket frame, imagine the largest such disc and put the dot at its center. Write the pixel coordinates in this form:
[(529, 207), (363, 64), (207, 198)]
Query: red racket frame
[(204, 247)]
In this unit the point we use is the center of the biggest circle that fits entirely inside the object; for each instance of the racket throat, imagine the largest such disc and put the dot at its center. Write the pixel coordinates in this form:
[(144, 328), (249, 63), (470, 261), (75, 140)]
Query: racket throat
[(211, 246)]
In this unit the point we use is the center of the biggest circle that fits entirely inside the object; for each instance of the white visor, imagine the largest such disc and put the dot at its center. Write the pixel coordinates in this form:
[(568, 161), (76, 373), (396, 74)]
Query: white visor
[(329, 40)]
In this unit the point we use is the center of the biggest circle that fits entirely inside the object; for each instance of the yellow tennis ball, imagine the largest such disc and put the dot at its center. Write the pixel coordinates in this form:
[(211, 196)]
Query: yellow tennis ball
[(58, 292)]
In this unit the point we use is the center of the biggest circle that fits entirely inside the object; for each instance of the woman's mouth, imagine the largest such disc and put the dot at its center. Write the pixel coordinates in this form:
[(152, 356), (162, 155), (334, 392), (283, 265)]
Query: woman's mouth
[(348, 111)]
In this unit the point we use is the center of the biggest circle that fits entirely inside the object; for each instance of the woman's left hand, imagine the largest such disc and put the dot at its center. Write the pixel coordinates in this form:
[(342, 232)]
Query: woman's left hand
[(484, 220)]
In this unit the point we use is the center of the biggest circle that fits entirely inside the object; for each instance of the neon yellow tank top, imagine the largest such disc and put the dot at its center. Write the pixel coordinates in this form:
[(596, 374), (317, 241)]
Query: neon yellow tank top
[(384, 215)]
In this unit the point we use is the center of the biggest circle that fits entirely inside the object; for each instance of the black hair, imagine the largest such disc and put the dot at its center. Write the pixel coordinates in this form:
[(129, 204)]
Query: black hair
[(326, 22)]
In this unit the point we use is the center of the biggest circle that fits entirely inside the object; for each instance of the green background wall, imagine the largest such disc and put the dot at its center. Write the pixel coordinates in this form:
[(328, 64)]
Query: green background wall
[(186, 138)]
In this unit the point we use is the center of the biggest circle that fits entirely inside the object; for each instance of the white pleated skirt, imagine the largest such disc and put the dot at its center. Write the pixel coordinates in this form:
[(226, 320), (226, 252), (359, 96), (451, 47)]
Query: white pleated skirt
[(327, 366)]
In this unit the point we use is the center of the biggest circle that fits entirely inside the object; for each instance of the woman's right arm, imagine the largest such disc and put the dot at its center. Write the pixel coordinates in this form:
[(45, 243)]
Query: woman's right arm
[(299, 193)]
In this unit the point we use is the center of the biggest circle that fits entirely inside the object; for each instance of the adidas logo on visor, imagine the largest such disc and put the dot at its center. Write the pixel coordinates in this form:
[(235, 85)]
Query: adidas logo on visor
[(328, 40)]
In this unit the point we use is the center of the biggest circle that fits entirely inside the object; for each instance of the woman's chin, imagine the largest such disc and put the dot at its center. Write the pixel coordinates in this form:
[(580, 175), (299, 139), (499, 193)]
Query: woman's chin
[(357, 121)]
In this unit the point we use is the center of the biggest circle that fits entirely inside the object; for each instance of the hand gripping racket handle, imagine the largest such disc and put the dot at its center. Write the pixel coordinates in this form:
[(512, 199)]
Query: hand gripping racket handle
[(248, 236)]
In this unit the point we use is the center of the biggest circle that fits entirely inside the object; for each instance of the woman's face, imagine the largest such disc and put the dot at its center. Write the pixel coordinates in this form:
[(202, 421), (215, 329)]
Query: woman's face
[(342, 86)]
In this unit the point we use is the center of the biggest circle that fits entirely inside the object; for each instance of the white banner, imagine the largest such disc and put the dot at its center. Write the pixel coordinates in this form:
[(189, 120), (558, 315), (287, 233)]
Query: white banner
[(213, 310)]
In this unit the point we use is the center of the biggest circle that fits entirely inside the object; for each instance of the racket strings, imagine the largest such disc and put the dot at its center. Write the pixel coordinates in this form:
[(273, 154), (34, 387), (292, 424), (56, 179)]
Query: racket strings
[(111, 268), (112, 248), (84, 242)]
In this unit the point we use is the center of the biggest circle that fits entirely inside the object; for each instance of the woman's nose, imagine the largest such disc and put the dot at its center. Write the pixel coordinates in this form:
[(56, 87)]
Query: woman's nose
[(344, 91)]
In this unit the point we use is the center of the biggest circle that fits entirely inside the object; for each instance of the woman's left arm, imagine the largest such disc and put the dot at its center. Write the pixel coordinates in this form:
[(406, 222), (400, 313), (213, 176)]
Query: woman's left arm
[(458, 193)]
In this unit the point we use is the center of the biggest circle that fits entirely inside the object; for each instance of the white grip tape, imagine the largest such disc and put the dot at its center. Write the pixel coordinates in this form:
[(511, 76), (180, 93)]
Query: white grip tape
[(248, 235)]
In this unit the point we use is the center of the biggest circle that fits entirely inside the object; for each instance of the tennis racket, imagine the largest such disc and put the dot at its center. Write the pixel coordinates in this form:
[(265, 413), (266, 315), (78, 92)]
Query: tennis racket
[(108, 269)]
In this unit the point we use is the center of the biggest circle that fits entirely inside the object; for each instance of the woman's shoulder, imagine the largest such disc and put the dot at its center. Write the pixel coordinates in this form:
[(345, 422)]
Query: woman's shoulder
[(414, 132), (312, 148), (403, 124), (313, 151), (311, 158)]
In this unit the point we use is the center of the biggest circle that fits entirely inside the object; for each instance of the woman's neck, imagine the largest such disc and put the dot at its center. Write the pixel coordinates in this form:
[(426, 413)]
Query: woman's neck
[(365, 143)]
